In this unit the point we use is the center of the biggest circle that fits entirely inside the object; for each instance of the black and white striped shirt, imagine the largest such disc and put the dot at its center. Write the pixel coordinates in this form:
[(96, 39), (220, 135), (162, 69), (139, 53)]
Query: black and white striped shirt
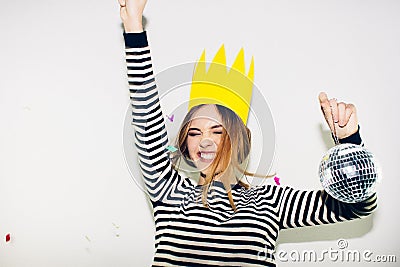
[(189, 234)]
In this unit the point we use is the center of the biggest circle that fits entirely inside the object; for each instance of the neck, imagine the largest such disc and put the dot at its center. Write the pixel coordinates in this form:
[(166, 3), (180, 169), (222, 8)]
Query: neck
[(204, 175), (218, 176)]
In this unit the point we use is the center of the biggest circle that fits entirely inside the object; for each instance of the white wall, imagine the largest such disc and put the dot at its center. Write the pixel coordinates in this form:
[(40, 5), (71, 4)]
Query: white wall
[(66, 195)]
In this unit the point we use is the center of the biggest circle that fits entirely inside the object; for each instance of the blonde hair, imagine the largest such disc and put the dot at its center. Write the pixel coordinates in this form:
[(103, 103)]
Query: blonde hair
[(232, 153)]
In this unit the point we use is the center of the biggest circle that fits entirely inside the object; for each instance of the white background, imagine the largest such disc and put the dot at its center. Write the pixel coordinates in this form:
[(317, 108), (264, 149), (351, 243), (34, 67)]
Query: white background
[(66, 195)]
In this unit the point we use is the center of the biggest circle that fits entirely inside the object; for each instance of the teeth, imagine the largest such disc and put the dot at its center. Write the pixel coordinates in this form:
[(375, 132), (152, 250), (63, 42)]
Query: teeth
[(207, 155)]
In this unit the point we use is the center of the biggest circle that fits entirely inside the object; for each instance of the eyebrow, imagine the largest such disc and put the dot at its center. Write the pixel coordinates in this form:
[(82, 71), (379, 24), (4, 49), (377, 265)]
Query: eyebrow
[(212, 127)]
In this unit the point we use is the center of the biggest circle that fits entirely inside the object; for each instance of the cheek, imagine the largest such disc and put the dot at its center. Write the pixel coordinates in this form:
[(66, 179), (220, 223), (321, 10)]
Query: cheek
[(217, 140), (192, 145)]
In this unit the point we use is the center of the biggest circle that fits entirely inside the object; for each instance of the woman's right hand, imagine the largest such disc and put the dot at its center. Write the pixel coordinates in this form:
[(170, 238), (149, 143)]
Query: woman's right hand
[(341, 117), (131, 12)]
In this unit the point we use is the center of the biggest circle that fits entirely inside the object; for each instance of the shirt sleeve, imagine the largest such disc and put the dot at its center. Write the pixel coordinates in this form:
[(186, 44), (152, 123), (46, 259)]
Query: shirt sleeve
[(306, 208), (151, 138)]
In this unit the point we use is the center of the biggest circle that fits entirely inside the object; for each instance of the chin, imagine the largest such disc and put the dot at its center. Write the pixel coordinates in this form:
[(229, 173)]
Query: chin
[(203, 165)]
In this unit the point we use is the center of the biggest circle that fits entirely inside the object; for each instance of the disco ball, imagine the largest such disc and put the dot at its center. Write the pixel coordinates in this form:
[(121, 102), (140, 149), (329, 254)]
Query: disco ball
[(349, 173)]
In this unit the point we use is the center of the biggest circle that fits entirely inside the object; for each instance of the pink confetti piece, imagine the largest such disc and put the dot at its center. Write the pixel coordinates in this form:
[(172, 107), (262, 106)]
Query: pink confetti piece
[(171, 118), (276, 179), (172, 148), (8, 237)]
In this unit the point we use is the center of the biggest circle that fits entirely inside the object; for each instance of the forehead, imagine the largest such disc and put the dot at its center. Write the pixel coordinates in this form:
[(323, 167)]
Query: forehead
[(206, 116)]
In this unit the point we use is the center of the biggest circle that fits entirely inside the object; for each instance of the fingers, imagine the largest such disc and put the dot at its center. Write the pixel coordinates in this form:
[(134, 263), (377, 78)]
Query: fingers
[(341, 112), (350, 111), (122, 9), (341, 107), (122, 3), (326, 109), (322, 97), (335, 112), (122, 13)]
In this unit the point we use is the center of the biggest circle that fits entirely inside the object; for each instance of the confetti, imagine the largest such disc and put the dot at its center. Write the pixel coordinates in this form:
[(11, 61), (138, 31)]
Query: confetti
[(8, 237), (172, 148), (276, 179), (170, 118)]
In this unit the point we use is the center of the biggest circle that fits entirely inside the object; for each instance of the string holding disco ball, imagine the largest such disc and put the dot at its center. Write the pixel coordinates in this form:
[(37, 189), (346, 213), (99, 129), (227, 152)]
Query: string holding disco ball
[(349, 172)]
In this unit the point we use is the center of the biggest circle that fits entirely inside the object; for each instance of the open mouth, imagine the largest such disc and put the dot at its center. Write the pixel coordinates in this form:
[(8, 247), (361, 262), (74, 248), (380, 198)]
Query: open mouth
[(206, 156)]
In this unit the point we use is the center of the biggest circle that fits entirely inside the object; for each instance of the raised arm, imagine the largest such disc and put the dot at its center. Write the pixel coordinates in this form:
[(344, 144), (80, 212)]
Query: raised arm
[(151, 137), (305, 208)]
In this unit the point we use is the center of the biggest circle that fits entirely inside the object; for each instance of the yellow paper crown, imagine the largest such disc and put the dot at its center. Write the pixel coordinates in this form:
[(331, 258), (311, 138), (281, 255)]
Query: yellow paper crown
[(230, 88)]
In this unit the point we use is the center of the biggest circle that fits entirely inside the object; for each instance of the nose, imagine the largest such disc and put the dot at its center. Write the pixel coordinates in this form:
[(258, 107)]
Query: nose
[(206, 142)]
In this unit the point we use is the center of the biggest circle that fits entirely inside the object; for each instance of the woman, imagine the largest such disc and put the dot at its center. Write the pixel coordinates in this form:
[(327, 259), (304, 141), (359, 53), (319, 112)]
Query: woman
[(233, 223)]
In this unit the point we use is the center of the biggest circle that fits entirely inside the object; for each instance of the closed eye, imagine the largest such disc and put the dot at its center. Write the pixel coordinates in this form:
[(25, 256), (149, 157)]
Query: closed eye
[(217, 129), (194, 132)]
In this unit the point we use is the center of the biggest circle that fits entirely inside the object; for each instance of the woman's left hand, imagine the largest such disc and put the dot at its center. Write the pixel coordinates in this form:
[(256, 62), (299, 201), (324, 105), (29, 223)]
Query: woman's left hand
[(131, 12), (341, 117)]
